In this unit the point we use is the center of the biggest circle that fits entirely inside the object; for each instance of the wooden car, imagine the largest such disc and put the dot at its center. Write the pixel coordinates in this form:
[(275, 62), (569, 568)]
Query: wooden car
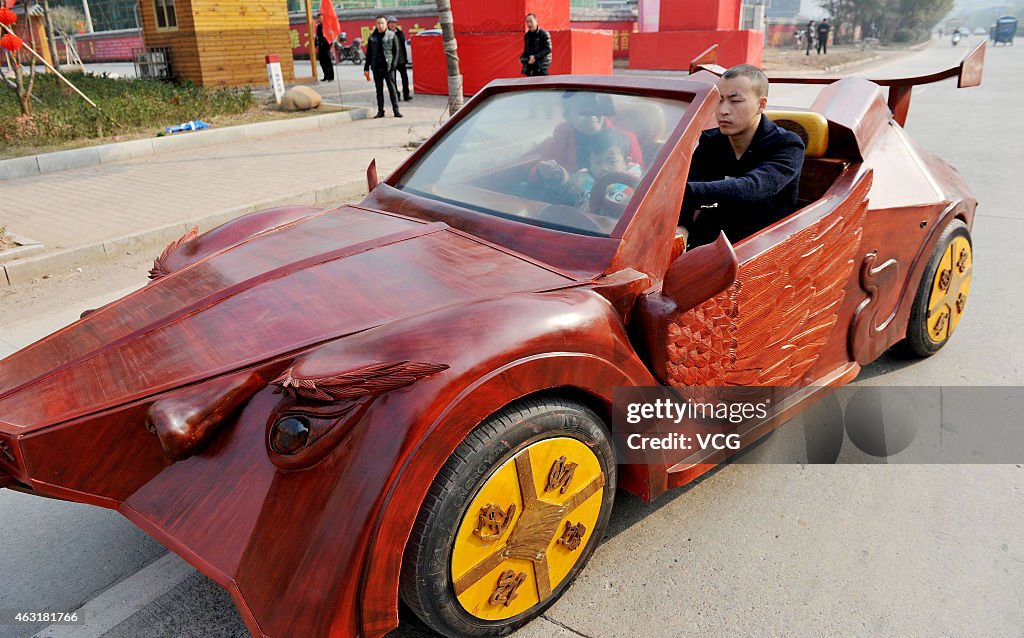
[(327, 410)]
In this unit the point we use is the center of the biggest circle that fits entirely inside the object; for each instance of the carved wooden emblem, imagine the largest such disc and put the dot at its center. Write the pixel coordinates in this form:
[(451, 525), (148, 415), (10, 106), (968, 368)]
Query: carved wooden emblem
[(940, 324), (369, 380), (945, 278), (508, 583), (572, 536), (961, 261), (560, 475), (493, 521), (160, 268)]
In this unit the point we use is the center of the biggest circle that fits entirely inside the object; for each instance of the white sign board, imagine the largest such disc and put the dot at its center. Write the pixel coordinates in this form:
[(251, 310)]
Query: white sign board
[(276, 79)]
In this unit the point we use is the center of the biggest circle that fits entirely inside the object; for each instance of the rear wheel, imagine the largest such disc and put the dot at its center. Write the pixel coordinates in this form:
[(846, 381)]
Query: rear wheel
[(942, 294), (511, 519)]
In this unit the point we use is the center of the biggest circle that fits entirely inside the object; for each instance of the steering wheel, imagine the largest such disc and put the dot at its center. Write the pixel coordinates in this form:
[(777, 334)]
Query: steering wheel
[(599, 202), (567, 216)]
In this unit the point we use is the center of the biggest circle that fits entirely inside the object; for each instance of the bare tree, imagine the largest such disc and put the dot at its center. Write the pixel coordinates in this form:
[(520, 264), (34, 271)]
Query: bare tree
[(451, 52), (67, 21)]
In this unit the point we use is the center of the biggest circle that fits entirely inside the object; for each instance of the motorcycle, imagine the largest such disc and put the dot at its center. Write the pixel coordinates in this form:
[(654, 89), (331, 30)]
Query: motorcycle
[(956, 37), (353, 52)]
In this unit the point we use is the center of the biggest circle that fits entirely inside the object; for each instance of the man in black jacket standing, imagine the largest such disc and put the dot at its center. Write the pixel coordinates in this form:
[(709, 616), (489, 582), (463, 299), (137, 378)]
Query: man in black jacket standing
[(536, 57), (823, 28), (403, 57), (744, 175), (323, 51), (382, 56)]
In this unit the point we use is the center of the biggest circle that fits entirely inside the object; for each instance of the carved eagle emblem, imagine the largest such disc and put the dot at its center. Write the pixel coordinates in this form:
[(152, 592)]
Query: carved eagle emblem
[(160, 268), (370, 380)]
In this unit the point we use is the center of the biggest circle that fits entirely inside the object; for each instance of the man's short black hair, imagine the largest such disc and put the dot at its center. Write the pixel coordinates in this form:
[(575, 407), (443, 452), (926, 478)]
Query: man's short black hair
[(381, 17), (531, 15), (758, 80)]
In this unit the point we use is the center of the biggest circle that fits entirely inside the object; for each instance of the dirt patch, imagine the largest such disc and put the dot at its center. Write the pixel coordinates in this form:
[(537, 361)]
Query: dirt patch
[(6, 241), (843, 57)]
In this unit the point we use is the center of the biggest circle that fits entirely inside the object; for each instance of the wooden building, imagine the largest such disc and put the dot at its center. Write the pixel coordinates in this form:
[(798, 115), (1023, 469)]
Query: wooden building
[(217, 42)]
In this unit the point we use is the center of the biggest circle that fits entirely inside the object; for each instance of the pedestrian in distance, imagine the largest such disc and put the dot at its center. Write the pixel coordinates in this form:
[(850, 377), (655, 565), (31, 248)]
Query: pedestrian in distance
[(403, 57), (823, 30), (323, 51), (381, 58), (809, 36), (536, 57)]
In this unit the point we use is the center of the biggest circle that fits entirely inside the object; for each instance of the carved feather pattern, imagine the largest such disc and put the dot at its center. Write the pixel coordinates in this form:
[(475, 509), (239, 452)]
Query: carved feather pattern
[(160, 268), (771, 326), (366, 381)]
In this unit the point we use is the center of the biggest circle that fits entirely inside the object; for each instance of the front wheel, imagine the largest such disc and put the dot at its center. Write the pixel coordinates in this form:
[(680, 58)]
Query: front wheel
[(942, 294), (511, 519)]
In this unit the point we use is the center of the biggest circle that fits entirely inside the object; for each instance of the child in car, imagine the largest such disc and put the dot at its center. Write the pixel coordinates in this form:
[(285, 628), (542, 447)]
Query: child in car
[(608, 153)]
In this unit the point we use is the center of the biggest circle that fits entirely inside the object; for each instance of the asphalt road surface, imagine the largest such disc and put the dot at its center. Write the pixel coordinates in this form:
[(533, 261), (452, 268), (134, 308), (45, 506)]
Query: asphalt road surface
[(752, 549)]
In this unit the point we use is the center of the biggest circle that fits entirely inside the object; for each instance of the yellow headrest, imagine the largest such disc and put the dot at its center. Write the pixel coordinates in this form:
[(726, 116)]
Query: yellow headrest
[(811, 127)]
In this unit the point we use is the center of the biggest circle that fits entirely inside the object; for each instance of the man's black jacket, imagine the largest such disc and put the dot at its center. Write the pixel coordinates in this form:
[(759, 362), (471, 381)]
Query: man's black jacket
[(538, 44), (375, 53), (403, 53), (742, 196)]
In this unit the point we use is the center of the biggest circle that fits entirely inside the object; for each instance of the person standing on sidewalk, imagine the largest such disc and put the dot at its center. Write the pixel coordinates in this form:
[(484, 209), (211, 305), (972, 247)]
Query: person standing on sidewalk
[(536, 57), (823, 30), (382, 56), (403, 57), (323, 51), (809, 36)]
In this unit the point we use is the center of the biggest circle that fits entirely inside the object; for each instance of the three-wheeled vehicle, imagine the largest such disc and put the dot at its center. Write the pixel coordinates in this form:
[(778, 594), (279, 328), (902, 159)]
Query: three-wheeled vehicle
[(1005, 30)]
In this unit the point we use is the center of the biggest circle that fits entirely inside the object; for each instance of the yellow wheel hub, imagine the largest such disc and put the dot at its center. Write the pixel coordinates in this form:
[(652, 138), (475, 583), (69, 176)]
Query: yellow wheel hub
[(526, 528), (949, 290)]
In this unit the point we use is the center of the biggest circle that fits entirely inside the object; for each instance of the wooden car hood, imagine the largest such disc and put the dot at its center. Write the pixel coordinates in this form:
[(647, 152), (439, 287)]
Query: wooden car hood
[(324, 276)]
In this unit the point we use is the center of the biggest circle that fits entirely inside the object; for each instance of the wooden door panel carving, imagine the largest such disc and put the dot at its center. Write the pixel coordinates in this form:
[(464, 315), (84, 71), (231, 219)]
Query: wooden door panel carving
[(770, 327)]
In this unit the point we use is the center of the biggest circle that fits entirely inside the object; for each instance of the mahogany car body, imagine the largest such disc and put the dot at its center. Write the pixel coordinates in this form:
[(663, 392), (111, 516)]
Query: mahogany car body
[(394, 327)]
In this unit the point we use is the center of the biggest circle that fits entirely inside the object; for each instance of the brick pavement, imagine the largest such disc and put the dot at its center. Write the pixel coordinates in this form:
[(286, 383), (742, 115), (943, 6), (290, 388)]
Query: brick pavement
[(82, 207)]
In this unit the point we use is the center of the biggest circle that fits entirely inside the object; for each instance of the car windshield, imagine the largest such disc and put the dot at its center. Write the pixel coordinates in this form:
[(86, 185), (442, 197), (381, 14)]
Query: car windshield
[(568, 160)]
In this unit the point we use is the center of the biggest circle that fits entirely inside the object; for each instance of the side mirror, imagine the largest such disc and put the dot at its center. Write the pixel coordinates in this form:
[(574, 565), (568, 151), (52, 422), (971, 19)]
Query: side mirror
[(371, 175), (701, 273)]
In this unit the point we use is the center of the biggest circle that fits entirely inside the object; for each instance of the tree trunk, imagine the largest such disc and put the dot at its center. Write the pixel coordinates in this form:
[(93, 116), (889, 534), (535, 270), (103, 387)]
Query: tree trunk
[(451, 52), (51, 39)]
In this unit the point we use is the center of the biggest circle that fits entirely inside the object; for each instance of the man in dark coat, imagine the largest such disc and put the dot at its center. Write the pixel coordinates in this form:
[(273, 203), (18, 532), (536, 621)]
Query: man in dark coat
[(536, 57), (382, 56), (744, 175), (323, 51), (403, 57), (823, 30), (809, 36)]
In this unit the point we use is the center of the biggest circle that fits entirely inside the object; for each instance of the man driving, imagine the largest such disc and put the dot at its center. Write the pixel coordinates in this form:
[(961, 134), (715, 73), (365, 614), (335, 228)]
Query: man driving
[(743, 174)]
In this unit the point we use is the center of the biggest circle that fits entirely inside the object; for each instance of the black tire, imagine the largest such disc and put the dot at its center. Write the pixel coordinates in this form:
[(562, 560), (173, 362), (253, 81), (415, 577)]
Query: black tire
[(427, 586), (919, 342)]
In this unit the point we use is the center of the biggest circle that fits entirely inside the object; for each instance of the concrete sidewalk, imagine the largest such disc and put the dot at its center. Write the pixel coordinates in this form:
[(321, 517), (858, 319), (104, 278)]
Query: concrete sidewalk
[(92, 213)]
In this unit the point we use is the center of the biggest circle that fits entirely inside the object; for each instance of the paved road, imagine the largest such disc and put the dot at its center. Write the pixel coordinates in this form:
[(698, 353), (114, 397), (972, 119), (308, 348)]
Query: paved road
[(749, 550)]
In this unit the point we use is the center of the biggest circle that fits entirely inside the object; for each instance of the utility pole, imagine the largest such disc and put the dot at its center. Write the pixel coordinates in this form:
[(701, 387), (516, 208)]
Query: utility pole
[(88, 16)]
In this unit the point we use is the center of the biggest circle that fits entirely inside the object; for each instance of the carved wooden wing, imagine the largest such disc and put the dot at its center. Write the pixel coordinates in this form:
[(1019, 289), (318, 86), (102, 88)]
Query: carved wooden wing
[(771, 326), (369, 380)]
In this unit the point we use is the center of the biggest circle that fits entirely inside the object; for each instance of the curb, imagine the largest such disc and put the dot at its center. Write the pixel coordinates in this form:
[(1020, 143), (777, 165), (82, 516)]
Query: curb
[(32, 165), (23, 270), (25, 246)]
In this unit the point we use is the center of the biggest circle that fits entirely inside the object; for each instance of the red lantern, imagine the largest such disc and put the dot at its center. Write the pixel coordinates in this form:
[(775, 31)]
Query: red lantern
[(7, 17), (11, 42)]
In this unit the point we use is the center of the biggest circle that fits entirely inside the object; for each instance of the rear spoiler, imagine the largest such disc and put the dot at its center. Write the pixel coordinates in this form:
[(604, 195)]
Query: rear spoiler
[(967, 73)]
